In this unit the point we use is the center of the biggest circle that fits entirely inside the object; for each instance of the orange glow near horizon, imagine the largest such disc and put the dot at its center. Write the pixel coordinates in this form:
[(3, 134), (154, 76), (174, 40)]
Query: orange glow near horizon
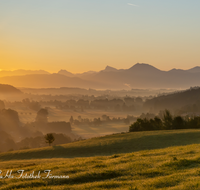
[(82, 60), (77, 37)]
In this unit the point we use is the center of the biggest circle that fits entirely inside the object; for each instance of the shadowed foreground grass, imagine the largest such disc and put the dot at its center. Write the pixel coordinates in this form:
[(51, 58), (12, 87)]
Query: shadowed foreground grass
[(170, 168), (109, 145)]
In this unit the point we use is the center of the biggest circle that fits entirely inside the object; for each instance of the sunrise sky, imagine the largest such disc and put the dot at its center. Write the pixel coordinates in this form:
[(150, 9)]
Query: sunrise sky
[(82, 35)]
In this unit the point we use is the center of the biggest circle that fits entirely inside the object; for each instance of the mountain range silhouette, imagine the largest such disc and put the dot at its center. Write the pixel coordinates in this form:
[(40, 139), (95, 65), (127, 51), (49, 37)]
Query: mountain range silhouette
[(140, 75)]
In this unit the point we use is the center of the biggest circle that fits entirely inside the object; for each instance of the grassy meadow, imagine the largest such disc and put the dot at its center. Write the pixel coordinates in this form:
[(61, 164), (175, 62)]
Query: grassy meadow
[(142, 160)]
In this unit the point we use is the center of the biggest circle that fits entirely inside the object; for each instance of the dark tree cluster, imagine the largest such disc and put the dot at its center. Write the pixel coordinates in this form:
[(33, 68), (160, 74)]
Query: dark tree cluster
[(165, 122)]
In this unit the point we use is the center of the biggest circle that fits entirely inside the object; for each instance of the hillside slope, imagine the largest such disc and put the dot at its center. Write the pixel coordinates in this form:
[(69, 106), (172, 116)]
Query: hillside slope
[(8, 89), (169, 168), (111, 144), (175, 100)]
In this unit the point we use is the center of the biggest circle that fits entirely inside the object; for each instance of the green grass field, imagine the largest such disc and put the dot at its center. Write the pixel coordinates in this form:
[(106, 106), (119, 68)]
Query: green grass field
[(142, 160)]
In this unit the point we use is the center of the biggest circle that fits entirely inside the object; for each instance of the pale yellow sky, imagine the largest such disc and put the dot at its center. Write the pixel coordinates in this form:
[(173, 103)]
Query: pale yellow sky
[(76, 36)]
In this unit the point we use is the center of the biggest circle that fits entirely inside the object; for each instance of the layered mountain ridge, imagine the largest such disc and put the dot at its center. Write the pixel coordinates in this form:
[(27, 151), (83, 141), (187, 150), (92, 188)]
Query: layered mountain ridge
[(140, 75)]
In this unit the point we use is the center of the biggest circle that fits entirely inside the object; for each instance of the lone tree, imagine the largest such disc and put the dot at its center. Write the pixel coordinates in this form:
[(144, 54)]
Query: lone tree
[(49, 138)]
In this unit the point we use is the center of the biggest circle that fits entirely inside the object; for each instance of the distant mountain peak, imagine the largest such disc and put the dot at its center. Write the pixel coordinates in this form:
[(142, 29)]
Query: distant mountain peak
[(174, 70), (143, 67), (63, 70), (197, 67), (194, 69), (66, 73), (109, 68)]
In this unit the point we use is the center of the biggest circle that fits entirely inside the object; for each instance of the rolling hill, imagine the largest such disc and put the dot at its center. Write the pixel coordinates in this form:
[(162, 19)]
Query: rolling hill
[(109, 145), (187, 98), (8, 89), (147, 162)]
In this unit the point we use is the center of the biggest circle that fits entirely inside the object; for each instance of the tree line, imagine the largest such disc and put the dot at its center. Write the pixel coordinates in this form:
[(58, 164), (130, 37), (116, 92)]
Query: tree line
[(100, 103), (165, 122)]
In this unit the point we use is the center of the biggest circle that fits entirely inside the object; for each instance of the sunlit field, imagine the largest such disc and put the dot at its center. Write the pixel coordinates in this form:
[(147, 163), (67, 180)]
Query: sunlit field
[(140, 160), (169, 168)]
